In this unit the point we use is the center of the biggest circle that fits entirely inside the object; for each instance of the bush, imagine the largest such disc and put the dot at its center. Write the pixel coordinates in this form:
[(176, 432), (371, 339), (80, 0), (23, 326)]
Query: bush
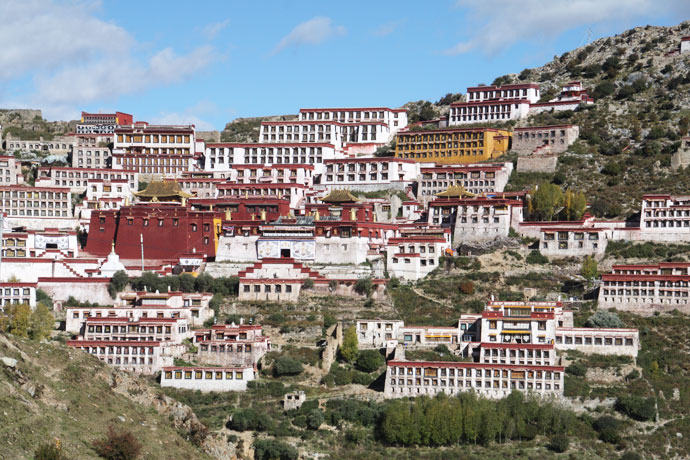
[(536, 258), (250, 420), (636, 407), (363, 286), (559, 443), (608, 428), (270, 449), (315, 419), (577, 369), (287, 366), (49, 451), (629, 455), (118, 445), (350, 347), (308, 284), (603, 318), (467, 287), (369, 360), (328, 320)]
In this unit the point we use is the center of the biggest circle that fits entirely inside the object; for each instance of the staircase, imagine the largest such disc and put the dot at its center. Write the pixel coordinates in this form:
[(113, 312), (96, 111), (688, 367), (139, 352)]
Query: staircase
[(267, 268)]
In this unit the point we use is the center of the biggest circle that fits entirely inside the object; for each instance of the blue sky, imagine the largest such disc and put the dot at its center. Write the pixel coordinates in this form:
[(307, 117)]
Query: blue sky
[(208, 63)]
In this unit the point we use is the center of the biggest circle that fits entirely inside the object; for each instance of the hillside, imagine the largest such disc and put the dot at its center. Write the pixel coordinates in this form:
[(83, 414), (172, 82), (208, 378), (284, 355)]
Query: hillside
[(627, 139), (53, 392)]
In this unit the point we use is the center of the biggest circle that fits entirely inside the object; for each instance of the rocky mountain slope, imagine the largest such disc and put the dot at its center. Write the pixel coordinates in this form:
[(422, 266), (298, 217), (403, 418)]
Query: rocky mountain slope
[(49, 391)]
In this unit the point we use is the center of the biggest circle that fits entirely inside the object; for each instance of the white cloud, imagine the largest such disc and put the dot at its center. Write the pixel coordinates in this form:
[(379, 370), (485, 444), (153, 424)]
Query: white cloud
[(190, 115), (388, 28), (74, 58), (497, 24), (210, 31), (312, 32)]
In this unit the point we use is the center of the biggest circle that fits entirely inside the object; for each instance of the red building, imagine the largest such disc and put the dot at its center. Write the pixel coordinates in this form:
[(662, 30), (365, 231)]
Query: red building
[(168, 231)]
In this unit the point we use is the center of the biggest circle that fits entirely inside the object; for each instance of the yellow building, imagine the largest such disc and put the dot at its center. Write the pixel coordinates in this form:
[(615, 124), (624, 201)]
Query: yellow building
[(452, 146)]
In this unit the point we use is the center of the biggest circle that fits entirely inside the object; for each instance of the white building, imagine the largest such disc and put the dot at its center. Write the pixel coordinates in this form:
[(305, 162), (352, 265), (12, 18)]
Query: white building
[(494, 103), (77, 179), (475, 178), (10, 171), (370, 173), (155, 150), (222, 157), (685, 45), (413, 257), (15, 293), (92, 151), (571, 97), (207, 379)]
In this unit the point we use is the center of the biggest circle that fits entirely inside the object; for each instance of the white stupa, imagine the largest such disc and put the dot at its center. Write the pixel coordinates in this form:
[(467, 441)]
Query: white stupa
[(112, 264)]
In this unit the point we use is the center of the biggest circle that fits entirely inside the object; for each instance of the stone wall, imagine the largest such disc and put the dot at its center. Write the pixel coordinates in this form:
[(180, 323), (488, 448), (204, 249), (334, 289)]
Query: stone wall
[(537, 163), (84, 290), (334, 338)]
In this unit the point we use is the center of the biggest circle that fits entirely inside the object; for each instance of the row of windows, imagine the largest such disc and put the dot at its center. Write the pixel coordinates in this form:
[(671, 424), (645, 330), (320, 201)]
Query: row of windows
[(470, 372), (360, 177), (442, 154), (204, 375), (226, 348), (342, 116), (362, 167), (43, 195), (644, 292), (540, 134), (576, 236), (608, 341), (437, 146), (130, 328), (278, 288), (154, 139), (422, 262), (92, 175), (502, 93), (320, 128), (43, 213), (661, 283), (505, 384)]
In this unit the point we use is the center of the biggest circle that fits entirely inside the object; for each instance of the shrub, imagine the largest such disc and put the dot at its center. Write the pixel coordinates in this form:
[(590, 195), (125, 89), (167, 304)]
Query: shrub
[(315, 419), (393, 283), (308, 284), (536, 258), (250, 420), (350, 347), (287, 366), (559, 443), (608, 428), (369, 360), (577, 369), (118, 445), (603, 318), (636, 407), (467, 287), (270, 449), (328, 320), (629, 455), (363, 286), (49, 451)]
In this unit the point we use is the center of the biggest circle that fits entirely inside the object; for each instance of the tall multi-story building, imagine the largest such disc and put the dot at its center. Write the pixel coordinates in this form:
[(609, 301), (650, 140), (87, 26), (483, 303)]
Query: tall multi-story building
[(342, 127), (370, 173), (77, 179), (512, 345), (494, 103), (474, 178), (665, 217), (21, 201), (646, 289), (223, 157), (452, 146), (92, 151), (155, 150), (10, 171)]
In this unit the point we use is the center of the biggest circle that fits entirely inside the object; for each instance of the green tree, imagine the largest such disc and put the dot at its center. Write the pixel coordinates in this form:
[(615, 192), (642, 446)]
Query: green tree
[(287, 366), (118, 282), (42, 323), (315, 419), (590, 268), (546, 200), (369, 360), (605, 319), (350, 347), (19, 320)]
